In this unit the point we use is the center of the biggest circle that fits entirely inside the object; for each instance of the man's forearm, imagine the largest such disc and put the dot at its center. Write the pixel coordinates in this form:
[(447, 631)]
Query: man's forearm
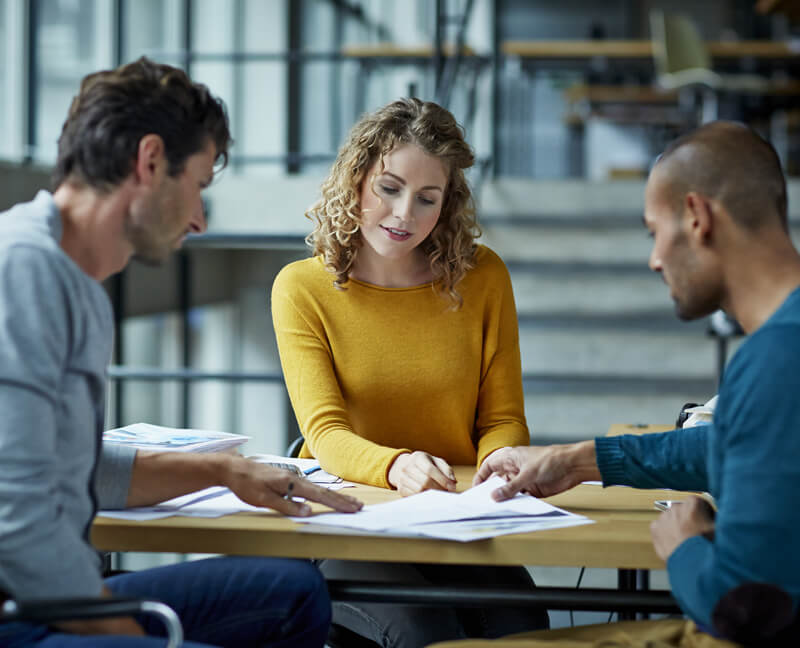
[(159, 476)]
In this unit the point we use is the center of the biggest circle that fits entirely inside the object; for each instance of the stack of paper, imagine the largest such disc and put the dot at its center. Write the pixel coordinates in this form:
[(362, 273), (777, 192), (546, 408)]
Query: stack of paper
[(471, 515), (165, 439)]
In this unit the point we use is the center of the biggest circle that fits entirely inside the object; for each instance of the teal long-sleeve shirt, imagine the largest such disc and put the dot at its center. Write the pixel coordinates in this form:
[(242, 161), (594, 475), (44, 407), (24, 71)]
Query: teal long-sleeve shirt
[(749, 460)]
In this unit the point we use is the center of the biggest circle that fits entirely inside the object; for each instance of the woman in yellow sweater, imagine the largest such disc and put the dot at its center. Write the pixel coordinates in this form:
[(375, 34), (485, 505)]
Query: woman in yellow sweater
[(399, 344)]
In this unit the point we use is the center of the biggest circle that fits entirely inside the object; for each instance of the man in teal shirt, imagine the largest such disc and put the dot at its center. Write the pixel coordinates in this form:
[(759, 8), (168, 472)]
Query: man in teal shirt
[(716, 208)]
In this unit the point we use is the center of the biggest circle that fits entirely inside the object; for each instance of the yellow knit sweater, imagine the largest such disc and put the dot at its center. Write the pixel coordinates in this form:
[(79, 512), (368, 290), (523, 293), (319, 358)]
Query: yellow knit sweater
[(373, 372)]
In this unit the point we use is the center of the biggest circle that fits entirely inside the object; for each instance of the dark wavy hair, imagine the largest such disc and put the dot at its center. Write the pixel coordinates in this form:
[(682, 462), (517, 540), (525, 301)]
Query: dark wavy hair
[(114, 109), (450, 247)]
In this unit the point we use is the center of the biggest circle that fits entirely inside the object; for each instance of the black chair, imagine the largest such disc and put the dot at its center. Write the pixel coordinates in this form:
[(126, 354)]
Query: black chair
[(756, 615), (46, 611)]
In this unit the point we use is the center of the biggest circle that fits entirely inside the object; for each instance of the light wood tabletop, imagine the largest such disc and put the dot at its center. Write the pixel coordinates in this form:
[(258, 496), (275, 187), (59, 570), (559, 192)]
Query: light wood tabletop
[(619, 538)]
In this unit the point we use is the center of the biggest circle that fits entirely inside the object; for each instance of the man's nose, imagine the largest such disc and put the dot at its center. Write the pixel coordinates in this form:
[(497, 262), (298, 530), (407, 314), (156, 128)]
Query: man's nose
[(655, 261), (198, 223)]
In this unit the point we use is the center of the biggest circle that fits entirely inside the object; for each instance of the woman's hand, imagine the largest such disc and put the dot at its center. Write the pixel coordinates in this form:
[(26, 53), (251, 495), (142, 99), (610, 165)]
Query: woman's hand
[(418, 471)]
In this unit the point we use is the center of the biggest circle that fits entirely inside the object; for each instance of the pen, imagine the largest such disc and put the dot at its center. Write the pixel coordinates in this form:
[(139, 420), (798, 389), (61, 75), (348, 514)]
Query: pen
[(313, 469)]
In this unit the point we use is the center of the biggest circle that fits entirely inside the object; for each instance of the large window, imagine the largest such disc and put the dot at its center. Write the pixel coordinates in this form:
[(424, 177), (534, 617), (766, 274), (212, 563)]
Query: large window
[(72, 38)]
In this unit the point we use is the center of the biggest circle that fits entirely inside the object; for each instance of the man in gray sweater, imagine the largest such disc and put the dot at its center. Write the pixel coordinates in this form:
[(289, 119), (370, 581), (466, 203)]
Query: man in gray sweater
[(139, 145)]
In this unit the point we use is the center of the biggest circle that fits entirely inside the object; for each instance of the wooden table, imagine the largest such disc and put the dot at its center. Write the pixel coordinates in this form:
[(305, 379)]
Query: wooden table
[(620, 538)]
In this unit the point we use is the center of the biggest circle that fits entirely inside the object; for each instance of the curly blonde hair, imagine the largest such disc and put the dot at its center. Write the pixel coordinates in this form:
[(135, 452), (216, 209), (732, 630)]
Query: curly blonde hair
[(450, 247)]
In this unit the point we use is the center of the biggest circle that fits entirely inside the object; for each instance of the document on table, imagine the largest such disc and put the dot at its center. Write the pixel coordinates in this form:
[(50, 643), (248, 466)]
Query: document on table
[(471, 515), (310, 467), (207, 503)]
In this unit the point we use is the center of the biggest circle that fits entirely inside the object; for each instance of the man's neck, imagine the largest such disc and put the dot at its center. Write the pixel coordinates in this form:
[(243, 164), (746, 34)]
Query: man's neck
[(92, 228), (760, 279)]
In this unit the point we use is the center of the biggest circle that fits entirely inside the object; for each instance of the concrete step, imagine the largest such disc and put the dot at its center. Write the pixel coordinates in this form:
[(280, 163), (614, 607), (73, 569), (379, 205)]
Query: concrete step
[(608, 289), (609, 352)]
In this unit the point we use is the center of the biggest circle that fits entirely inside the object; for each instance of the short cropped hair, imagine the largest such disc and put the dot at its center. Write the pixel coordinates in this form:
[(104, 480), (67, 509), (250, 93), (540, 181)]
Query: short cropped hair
[(450, 247), (115, 109), (729, 162)]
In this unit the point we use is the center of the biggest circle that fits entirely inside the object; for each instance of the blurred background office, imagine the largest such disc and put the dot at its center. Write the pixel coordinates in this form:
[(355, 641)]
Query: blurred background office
[(566, 102)]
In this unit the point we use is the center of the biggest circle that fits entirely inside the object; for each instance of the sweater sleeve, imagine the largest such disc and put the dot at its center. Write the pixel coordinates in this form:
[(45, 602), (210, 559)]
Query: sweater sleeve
[(758, 480), (39, 551), (112, 478), (500, 419), (316, 397), (676, 459)]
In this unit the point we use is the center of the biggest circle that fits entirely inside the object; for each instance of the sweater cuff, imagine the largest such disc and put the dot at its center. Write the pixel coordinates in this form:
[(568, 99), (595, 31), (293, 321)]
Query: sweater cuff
[(610, 460), (112, 479)]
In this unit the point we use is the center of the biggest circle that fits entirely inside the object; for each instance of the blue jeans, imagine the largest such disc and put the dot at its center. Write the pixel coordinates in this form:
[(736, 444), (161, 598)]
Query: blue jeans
[(221, 602)]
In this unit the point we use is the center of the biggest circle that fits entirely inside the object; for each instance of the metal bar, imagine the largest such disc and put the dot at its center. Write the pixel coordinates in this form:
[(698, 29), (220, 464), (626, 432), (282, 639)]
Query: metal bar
[(438, 38), (33, 78), (626, 582), (450, 69), (533, 383), (120, 373), (296, 56), (496, 60), (187, 35), (294, 79), (250, 241), (606, 384), (119, 32), (554, 598)]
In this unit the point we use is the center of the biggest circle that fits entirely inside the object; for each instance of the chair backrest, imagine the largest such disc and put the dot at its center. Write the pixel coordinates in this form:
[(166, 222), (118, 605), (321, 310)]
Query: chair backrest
[(677, 44)]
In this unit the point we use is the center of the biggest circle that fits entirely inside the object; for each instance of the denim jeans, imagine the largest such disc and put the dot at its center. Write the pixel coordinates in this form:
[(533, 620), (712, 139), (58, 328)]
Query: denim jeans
[(238, 602)]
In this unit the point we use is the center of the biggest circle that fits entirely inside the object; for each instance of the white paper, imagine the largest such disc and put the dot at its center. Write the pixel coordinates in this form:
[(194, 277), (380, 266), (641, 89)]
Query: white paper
[(316, 477), (166, 439), (470, 515)]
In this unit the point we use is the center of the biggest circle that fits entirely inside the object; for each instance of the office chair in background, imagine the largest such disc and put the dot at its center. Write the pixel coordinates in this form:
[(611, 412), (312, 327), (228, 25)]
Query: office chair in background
[(683, 63)]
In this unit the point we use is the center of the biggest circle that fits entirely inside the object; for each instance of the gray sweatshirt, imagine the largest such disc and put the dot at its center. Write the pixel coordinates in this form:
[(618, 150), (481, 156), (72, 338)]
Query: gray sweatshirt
[(55, 342)]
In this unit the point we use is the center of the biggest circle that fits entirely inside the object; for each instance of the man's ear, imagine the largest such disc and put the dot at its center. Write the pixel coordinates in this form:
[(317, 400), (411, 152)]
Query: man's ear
[(150, 160), (698, 217)]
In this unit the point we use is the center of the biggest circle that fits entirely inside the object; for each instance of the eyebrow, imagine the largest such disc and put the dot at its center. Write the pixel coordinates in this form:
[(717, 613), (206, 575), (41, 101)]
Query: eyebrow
[(401, 181)]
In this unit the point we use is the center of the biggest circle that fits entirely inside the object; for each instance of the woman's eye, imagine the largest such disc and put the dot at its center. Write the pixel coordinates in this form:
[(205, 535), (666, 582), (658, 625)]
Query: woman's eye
[(388, 190), (426, 201)]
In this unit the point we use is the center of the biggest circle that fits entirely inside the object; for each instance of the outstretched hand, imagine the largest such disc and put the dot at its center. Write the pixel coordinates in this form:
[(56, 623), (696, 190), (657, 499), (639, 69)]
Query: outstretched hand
[(275, 488), (419, 471), (540, 471)]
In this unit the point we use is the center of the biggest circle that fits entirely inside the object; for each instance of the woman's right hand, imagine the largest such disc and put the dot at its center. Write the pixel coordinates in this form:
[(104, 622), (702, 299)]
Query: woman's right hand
[(418, 471)]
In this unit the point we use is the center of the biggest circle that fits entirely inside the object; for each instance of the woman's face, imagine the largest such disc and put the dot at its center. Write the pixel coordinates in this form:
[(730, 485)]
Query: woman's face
[(401, 200)]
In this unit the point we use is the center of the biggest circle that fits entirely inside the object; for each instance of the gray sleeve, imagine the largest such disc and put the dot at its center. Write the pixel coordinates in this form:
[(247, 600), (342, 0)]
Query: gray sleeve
[(42, 553), (113, 476)]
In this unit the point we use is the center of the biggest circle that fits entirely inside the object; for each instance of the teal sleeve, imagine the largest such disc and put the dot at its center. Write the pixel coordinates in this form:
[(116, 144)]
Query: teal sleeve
[(675, 459)]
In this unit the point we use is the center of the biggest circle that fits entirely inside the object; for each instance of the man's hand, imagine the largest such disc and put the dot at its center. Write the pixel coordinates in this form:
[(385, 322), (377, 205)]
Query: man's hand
[(418, 471), (159, 476), (271, 487), (682, 521), (113, 626), (540, 471)]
